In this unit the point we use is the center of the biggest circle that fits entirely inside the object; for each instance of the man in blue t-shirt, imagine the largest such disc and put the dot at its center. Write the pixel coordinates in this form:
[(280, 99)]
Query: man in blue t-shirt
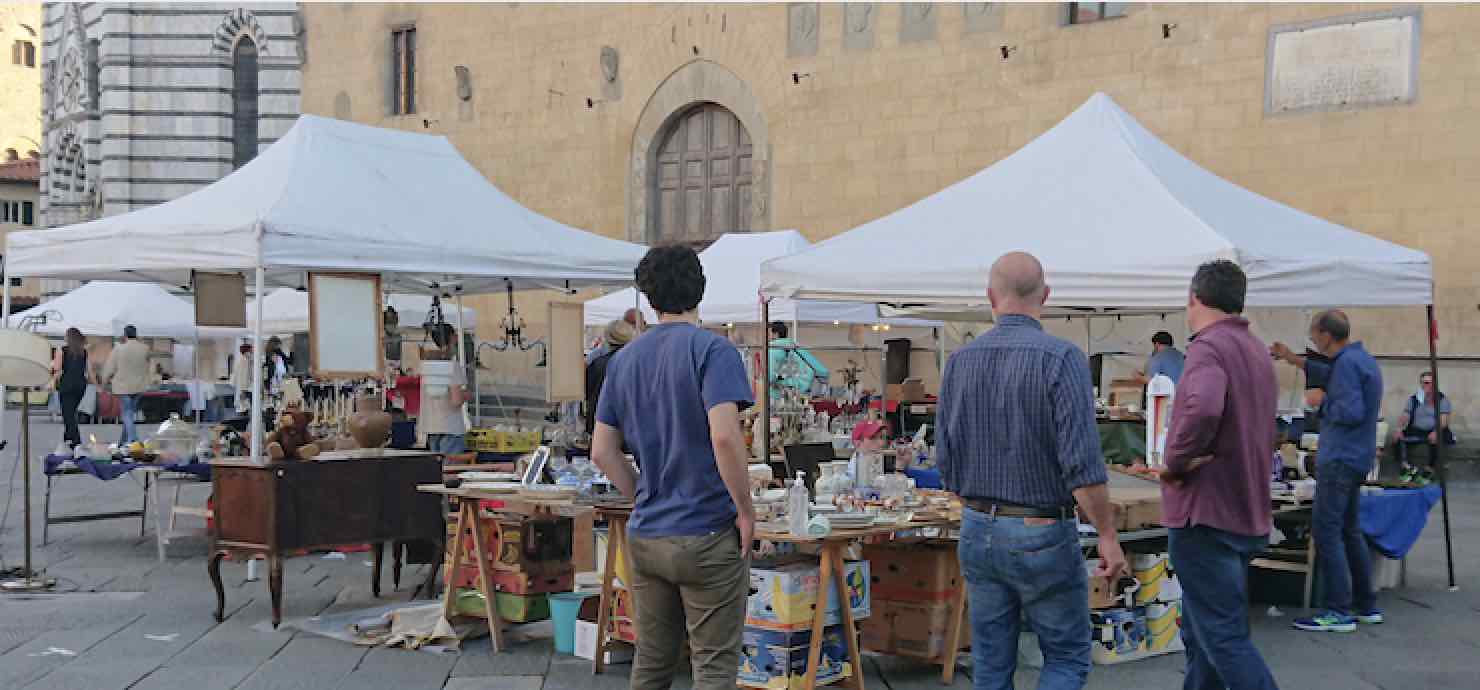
[(674, 396), (1165, 359)]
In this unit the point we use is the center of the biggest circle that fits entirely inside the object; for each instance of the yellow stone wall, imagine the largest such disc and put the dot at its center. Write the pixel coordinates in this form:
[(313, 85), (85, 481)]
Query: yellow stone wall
[(866, 132), (20, 86)]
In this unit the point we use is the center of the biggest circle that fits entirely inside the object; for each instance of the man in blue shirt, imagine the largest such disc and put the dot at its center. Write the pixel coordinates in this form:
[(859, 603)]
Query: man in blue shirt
[(1350, 404), (1017, 442), (1165, 359), (675, 396)]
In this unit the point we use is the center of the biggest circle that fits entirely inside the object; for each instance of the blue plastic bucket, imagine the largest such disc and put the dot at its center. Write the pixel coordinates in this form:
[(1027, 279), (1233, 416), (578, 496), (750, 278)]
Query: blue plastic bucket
[(565, 608)]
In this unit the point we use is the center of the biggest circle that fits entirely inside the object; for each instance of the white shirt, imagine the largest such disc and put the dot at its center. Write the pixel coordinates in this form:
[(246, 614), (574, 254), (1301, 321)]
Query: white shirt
[(438, 413)]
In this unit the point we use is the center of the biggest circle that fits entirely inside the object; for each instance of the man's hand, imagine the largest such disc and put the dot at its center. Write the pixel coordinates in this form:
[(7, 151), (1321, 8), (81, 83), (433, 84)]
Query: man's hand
[(1281, 351), (1112, 559), (1314, 397), (1176, 478), (1433, 438), (745, 522)]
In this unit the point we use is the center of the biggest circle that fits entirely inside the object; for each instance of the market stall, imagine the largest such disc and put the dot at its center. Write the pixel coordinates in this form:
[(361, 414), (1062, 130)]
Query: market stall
[(328, 205), (1120, 222)]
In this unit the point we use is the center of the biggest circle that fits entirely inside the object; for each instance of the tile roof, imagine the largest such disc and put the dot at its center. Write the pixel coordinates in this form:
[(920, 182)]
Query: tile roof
[(23, 170)]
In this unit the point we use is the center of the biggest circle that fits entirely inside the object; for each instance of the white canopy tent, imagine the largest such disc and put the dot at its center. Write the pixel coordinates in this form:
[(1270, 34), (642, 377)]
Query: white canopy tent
[(1119, 219), (285, 310), (335, 196), (732, 287), (103, 308)]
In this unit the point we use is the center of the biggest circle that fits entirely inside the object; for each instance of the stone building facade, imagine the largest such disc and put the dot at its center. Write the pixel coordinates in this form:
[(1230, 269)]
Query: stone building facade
[(676, 121), (20, 80), (146, 102)]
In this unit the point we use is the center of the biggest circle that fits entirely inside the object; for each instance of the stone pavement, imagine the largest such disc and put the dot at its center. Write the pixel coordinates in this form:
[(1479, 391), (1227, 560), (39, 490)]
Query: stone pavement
[(124, 620)]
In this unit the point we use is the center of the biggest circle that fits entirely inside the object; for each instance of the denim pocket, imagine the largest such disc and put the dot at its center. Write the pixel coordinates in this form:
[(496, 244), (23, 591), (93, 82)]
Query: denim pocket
[(1030, 540)]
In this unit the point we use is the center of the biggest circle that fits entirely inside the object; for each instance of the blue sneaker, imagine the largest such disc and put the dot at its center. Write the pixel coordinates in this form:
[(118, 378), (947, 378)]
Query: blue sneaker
[(1371, 616), (1328, 621)]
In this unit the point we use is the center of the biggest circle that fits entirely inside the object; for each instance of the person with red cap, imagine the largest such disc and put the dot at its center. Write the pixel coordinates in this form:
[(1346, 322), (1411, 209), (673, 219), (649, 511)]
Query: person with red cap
[(869, 436)]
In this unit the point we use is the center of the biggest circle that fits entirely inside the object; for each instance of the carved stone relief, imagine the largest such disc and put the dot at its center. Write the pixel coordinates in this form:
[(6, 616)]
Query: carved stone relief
[(917, 22), (859, 19), (802, 29), (981, 17), (611, 74)]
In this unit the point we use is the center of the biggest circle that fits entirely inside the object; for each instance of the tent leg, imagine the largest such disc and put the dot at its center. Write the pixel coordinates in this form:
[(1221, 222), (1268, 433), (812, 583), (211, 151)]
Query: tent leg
[(462, 361), (765, 392), (4, 394), (258, 452), (1436, 451), (940, 353)]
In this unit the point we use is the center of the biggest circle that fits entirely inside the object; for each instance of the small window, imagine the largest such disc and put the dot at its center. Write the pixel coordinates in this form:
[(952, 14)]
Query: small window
[(12, 155), (4, 211), (244, 100), (23, 53), (15, 282), (28, 213), (403, 71), (1091, 12)]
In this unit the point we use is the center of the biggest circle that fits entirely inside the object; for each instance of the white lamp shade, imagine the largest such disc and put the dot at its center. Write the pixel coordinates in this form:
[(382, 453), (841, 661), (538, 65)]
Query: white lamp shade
[(25, 359)]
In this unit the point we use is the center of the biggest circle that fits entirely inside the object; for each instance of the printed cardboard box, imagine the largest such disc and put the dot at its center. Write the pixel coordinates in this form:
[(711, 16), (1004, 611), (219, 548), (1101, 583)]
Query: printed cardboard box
[(785, 596), (1118, 635), (1156, 581), (777, 659)]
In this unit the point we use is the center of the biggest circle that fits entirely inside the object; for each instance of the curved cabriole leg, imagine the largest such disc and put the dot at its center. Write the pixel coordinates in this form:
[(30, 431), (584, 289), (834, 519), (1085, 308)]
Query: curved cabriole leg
[(213, 566)]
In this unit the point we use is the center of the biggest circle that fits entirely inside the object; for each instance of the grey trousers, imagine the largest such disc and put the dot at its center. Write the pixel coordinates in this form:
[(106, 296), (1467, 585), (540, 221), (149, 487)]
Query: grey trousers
[(693, 585)]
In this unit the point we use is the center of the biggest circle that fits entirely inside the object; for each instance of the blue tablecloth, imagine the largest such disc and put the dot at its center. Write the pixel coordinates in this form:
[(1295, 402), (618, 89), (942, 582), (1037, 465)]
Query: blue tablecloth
[(1394, 518), (925, 479), (108, 471)]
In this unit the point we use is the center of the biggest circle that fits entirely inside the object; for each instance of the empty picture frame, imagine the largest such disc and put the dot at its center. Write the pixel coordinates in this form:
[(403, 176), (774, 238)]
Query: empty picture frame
[(344, 325), (220, 299), (565, 358)]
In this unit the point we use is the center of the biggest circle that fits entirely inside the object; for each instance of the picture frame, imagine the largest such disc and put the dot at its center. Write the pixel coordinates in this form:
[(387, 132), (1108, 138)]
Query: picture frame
[(346, 335)]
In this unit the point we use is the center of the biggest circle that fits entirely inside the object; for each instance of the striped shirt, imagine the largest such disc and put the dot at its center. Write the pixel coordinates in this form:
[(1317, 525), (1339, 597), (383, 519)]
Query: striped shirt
[(1017, 418)]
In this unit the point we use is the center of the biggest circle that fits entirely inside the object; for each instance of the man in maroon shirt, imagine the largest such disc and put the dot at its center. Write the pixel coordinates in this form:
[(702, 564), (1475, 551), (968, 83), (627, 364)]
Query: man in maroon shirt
[(1215, 487)]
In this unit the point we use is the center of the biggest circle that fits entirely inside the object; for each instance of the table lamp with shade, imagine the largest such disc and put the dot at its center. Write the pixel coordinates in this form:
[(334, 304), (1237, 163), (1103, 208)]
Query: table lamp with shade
[(25, 363)]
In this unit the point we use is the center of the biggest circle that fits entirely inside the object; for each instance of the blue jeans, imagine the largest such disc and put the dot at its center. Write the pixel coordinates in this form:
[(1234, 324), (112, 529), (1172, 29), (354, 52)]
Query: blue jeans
[(1342, 555), (1213, 567), (1015, 570), (128, 409), (447, 444)]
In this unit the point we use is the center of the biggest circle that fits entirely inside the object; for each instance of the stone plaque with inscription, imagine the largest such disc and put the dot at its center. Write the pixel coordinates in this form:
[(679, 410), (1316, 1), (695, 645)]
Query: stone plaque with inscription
[(1343, 64)]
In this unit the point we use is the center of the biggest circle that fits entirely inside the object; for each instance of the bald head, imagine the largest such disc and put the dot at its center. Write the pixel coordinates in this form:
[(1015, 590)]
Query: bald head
[(1016, 285)]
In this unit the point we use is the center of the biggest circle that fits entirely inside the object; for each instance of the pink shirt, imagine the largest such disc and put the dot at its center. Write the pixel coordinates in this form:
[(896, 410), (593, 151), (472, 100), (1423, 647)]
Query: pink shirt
[(1225, 408)]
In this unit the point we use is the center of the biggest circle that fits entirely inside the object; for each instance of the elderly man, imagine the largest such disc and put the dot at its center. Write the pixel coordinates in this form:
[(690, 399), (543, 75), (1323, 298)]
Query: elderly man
[(1017, 443), (1418, 426), (633, 318), (1349, 405), (1215, 486)]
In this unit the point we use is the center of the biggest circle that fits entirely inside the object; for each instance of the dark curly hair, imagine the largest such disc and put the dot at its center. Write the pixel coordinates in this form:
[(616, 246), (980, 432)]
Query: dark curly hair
[(1221, 284), (672, 278)]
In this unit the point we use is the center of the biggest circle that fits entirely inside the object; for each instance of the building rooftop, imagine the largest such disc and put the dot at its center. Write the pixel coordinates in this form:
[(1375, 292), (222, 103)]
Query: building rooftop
[(23, 170)]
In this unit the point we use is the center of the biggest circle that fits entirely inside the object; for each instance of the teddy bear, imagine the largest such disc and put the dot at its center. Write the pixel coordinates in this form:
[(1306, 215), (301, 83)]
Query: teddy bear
[(291, 439)]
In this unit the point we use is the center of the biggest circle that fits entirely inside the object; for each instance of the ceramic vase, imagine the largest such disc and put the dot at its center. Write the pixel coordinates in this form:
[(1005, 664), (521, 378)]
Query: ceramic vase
[(370, 425)]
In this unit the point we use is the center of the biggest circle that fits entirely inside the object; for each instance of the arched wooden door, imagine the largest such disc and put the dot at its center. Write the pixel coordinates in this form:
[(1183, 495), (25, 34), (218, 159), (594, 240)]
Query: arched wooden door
[(702, 184)]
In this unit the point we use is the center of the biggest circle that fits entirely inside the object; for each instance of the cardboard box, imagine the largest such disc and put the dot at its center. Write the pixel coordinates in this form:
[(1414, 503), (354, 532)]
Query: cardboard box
[(524, 583), (511, 607), (785, 596), (913, 629), (1118, 635), (1135, 508), (1123, 392), (912, 390), (586, 645), (913, 571), (1164, 627), (536, 547), (777, 659), (1155, 580)]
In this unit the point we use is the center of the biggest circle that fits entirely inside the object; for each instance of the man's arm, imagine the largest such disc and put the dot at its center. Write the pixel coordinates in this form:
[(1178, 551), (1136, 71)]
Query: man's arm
[(943, 455), (110, 367), (1094, 500), (1344, 403), (1197, 411), (732, 460), (606, 452)]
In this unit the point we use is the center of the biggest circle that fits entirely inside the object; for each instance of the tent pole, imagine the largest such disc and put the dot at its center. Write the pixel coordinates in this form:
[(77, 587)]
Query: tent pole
[(1436, 451), (258, 452), (462, 361), (5, 394), (765, 420), (940, 352)]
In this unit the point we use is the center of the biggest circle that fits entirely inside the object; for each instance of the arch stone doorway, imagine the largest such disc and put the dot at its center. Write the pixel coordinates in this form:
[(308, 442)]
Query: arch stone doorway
[(700, 159)]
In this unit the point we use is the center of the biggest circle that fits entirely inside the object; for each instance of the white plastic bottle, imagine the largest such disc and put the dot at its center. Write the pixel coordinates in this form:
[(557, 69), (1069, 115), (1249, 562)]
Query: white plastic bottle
[(797, 504)]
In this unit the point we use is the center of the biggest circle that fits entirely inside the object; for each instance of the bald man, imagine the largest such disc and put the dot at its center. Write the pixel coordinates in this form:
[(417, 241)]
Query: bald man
[(1017, 442)]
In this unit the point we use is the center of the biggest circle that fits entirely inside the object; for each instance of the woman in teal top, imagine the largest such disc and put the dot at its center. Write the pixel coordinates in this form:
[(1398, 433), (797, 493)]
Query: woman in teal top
[(806, 368)]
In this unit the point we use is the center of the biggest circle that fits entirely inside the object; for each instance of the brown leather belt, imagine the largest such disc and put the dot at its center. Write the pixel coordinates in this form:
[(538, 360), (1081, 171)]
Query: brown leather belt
[(1001, 509)]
